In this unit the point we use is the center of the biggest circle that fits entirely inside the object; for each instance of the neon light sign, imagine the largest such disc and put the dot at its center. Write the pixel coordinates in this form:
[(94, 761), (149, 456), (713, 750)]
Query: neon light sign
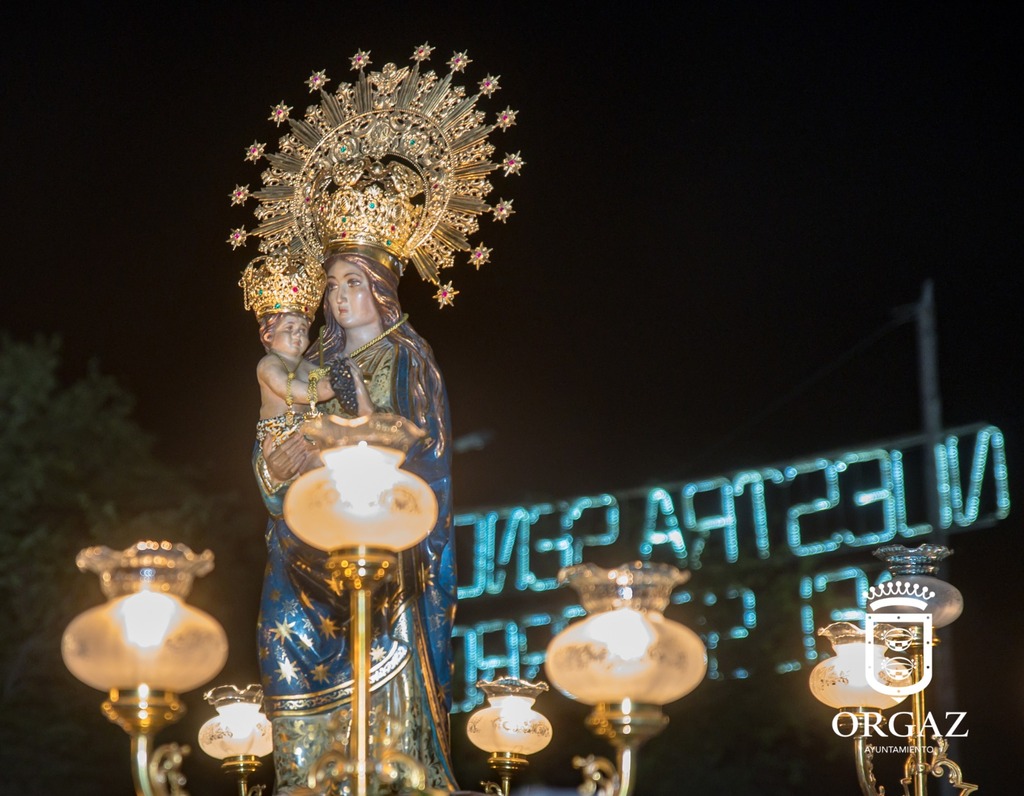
[(786, 517)]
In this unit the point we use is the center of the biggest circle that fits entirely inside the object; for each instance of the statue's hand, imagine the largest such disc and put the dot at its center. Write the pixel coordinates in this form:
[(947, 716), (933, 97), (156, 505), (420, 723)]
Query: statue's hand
[(291, 457), (362, 394), (349, 387), (346, 379)]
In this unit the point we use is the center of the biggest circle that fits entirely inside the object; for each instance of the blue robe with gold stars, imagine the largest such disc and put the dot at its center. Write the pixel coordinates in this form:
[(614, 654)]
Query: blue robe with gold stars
[(303, 624)]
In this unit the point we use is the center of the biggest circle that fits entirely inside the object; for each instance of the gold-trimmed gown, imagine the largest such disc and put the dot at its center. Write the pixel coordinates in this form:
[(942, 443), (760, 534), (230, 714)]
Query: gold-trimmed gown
[(303, 624)]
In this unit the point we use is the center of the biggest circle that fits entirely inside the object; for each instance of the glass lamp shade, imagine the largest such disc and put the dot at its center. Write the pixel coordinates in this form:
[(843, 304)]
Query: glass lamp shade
[(915, 572), (145, 634), (240, 727), (360, 498), (841, 681), (627, 649), (510, 724)]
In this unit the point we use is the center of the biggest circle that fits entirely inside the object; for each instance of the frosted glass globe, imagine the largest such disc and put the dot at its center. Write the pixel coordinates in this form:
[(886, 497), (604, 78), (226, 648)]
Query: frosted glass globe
[(146, 638), (145, 634), (841, 681), (626, 654), (360, 498), (625, 648), (240, 727), (915, 574), (509, 724)]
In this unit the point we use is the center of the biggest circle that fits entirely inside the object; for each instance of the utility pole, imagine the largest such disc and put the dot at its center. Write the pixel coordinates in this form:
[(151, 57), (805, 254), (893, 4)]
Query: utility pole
[(931, 423), (931, 399)]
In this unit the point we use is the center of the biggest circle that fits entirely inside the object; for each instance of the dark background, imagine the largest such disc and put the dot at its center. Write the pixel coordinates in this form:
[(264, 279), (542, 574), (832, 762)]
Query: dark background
[(721, 206)]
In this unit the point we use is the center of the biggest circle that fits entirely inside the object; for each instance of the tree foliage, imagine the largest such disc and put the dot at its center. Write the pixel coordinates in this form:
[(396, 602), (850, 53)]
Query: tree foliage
[(75, 470)]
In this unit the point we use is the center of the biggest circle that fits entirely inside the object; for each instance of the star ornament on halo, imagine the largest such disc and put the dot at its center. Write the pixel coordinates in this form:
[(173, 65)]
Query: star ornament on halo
[(279, 113), (459, 61), (479, 256), (503, 210), (254, 151), (506, 118), (422, 53), (237, 237), (239, 195), (489, 85), (361, 59), (513, 163), (317, 80), (445, 295)]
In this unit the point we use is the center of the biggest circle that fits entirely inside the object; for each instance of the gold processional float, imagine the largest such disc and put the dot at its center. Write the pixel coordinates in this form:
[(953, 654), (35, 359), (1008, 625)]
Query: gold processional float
[(395, 166)]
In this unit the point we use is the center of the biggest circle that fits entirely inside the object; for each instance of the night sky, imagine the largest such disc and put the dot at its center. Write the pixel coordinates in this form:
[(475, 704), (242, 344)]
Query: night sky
[(718, 204)]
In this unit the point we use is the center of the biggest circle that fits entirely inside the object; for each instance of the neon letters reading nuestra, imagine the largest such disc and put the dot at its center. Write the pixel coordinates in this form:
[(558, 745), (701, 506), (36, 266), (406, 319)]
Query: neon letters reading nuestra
[(511, 555)]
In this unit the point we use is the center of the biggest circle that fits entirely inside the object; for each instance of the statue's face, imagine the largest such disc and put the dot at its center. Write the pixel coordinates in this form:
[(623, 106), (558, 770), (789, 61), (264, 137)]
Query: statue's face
[(290, 336), (349, 298)]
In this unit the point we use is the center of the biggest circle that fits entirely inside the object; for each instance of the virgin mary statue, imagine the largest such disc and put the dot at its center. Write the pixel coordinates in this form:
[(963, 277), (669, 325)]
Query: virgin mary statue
[(386, 171)]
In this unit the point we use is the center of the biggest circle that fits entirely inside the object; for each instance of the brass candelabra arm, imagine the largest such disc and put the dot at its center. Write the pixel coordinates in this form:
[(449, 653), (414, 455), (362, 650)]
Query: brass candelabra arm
[(600, 776), (505, 765), (917, 767), (396, 768), (161, 775), (939, 762), (241, 766), (626, 726), (854, 723), (864, 754), (156, 771), (330, 770), (335, 772), (911, 770)]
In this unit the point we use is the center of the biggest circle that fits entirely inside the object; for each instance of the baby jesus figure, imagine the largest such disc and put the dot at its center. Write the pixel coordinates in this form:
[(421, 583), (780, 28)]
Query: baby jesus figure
[(290, 387)]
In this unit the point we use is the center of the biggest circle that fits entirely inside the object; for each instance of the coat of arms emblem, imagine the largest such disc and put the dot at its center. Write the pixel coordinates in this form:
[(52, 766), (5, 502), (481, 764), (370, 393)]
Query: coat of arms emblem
[(905, 625)]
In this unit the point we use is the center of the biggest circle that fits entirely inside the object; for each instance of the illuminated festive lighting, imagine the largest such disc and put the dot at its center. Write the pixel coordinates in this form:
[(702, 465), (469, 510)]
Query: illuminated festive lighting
[(483, 554), (574, 513), (517, 549), (516, 660), (525, 576), (756, 480), (900, 500), (659, 506), (530, 661), (726, 521), (956, 508), (818, 584), (681, 597), (713, 638), (884, 494), (830, 501), (711, 642), (749, 602)]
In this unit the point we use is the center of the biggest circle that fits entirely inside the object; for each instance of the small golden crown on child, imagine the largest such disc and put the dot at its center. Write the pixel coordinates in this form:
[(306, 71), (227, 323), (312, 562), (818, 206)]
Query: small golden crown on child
[(277, 283)]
